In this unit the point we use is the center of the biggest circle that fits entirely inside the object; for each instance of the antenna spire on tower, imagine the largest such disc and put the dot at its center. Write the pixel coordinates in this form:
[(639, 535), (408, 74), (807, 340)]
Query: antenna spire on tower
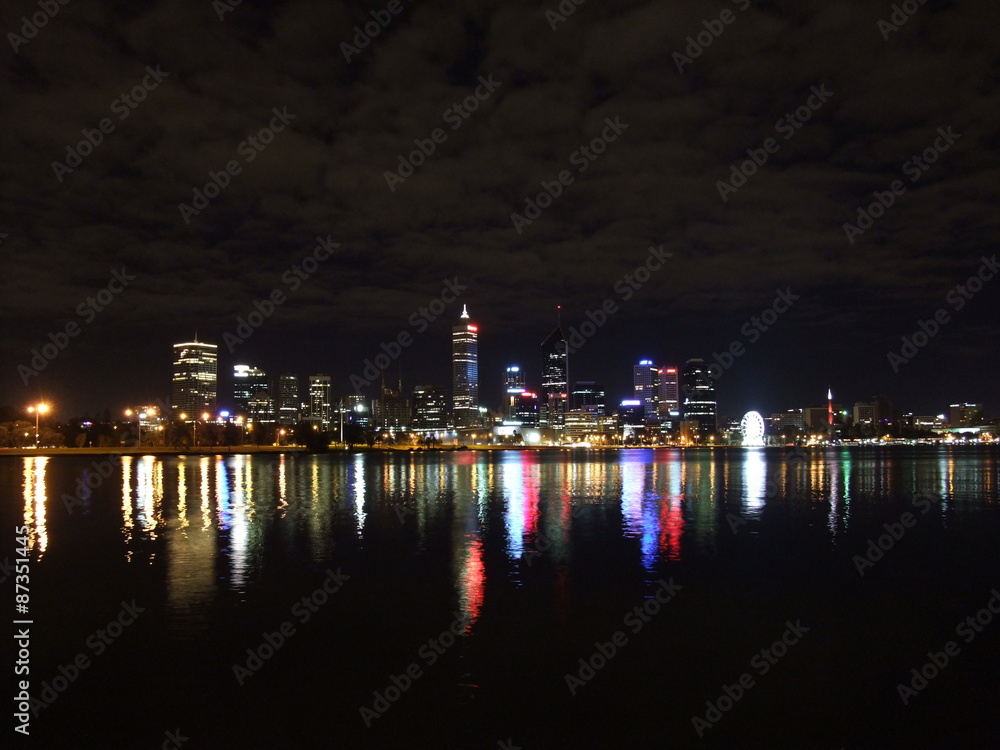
[(465, 312)]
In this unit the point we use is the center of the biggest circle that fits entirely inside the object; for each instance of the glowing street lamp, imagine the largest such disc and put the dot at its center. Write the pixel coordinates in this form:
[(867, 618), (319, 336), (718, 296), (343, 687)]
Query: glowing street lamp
[(38, 410)]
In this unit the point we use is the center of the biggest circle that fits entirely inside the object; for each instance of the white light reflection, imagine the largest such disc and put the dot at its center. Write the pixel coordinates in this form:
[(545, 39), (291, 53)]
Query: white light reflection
[(34, 503), (513, 489), (754, 480), (239, 524), (359, 494)]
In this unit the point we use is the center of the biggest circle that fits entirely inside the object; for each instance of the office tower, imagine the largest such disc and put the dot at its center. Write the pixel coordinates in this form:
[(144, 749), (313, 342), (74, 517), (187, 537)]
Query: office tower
[(668, 404), (288, 398), (631, 415), (513, 384), (582, 425), (392, 411), (514, 379), (589, 396), (864, 413), (699, 396), (465, 372), (260, 408), (430, 408), (965, 415), (646, 384), (355, 409), (815, 417), (320, 410), (885, 412), (526, 409), (248, 382), (195, 378), (555, 379)]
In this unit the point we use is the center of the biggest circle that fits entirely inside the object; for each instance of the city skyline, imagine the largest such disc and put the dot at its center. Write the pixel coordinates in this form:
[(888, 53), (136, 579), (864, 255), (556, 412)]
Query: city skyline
[(714, 371)]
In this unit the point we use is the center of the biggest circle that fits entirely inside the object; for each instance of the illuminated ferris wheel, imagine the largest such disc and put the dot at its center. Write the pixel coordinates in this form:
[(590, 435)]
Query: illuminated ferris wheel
[(752, 427)]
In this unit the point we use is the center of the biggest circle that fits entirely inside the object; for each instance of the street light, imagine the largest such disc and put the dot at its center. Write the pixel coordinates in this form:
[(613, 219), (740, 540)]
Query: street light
[(38, 410), (139, 416)]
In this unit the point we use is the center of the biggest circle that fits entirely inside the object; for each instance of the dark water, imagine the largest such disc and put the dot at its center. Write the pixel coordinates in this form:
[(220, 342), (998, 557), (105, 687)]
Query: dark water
[(538, 560)]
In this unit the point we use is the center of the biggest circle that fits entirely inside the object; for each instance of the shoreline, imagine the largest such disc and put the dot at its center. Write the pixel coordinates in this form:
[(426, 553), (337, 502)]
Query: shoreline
[(235, 450)]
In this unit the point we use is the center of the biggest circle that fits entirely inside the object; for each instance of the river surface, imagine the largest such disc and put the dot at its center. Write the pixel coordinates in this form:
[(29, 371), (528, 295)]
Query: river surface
[(518, 599)]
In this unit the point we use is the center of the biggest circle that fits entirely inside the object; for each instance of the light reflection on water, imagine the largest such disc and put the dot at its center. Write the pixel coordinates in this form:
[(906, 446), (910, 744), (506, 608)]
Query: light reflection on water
[(208, 515)]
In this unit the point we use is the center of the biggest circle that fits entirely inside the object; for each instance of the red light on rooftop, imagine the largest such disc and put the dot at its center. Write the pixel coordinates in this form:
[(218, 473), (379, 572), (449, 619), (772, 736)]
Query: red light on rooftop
[(473, 328)]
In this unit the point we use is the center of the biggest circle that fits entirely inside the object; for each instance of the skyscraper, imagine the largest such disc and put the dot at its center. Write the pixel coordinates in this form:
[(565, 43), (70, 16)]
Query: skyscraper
[(320, 410), (288, 398), (465, 371), (513, 384), (699, 396), (555, 379), (588, 395), (646, 383), (195, 379), (429, 409), (668, 404), (248, 382)]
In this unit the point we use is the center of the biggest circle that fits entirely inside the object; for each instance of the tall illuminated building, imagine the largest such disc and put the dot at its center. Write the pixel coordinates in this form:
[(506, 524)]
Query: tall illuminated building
[(589, 396), (430, 409), (699, 396), (465, 372), (513, 385), (288, 398), (555, 380), (248, 382), (646, 384), (668, 403), (320, 409), (195, 380)]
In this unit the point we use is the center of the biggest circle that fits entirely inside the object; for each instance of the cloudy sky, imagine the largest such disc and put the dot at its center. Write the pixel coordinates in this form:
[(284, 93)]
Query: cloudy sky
[(686, 113)]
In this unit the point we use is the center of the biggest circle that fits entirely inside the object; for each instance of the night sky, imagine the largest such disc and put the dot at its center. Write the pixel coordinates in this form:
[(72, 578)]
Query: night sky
[(884, 96)]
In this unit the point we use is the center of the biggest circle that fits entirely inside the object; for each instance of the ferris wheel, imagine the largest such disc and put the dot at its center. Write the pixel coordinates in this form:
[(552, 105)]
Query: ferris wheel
[(752, 427)]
